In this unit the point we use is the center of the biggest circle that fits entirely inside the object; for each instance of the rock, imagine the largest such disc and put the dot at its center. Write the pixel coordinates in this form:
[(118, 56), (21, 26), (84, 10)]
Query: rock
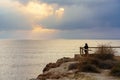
[(73, 66), (57, 64), (49, 66), (58, 72), (48, 75), (64, 59), (44, 76), (77, 57), (34, 79)]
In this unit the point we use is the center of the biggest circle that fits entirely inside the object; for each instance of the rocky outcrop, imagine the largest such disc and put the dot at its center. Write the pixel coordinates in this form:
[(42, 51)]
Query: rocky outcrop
[(78, 68), (57, 64), (64, 60), (48, 75), (58, 72), (50, 65)]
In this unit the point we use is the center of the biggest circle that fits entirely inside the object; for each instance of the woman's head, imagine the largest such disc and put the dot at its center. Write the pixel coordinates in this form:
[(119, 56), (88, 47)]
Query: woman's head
[(86, 44)]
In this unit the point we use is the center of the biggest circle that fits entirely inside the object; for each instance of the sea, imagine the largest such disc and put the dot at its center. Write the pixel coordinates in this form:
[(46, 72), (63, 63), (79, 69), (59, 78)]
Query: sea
[(25, 59)]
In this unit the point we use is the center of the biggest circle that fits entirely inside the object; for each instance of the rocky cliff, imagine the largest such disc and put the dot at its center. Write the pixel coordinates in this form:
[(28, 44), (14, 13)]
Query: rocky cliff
[(69, 69)]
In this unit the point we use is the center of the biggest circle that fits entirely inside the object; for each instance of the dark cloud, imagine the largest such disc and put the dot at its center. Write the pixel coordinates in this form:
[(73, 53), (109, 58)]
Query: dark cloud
[(72, 2), (11, 19), (97, 33), (77, 17), (23, 1), (59, 2), (78, 2)]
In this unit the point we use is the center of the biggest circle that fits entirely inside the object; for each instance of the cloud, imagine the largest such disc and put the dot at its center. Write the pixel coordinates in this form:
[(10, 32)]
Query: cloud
[(11, 17), (87, 15), (18, 19), (77, 2), (97, 33), (59, 13), (37, 10), (26, 15), (13, 22), (41, 30), (34, 34), (63, 19)]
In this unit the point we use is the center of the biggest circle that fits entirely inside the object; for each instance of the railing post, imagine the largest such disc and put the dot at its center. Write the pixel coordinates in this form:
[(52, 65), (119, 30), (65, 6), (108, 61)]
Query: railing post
[(80, 50)]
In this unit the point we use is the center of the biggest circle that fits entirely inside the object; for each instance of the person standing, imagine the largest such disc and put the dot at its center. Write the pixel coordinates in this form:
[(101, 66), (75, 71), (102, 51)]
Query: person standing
[(86, 49)]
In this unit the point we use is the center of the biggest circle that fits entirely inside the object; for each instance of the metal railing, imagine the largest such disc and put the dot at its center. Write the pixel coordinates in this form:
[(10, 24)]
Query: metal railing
[(82, 48)]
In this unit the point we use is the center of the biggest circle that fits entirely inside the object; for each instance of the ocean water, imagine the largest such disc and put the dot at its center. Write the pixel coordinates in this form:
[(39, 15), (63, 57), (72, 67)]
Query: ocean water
[(25, 59)]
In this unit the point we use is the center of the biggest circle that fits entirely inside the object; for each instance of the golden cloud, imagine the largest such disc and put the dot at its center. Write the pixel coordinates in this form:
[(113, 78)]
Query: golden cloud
[(38, 11), (41, 32), (38, 32), (39, 29), (59, 13), (35, 11)]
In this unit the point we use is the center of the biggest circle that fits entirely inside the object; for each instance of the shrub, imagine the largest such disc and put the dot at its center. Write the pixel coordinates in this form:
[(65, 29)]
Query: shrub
[(94, 61), (105, 52), (115, 71), (103, 64), (108, 64), (89, 68), (73, 66), (105, 56)]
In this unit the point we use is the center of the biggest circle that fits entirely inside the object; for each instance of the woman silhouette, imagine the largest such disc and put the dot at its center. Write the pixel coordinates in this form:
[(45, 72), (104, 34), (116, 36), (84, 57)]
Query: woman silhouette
[(86, 49)]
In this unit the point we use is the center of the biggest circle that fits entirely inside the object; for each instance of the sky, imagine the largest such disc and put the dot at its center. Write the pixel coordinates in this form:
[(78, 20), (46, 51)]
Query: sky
[(59, 19)]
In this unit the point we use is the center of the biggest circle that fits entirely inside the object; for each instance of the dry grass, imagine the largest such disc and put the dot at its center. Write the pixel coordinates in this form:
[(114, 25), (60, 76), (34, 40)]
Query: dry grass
[(117, 58), (115, 71), (105, 52), (89, 68), (103, 58)]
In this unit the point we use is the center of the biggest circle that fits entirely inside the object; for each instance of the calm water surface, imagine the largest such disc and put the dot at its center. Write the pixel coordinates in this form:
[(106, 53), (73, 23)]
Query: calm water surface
[(25, 59)]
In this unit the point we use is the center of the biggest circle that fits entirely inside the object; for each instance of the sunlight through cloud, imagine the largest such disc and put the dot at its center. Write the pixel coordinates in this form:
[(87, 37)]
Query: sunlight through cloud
[(59, 13), (42, 33), (39, 29), (32, 13), (38, 10)]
